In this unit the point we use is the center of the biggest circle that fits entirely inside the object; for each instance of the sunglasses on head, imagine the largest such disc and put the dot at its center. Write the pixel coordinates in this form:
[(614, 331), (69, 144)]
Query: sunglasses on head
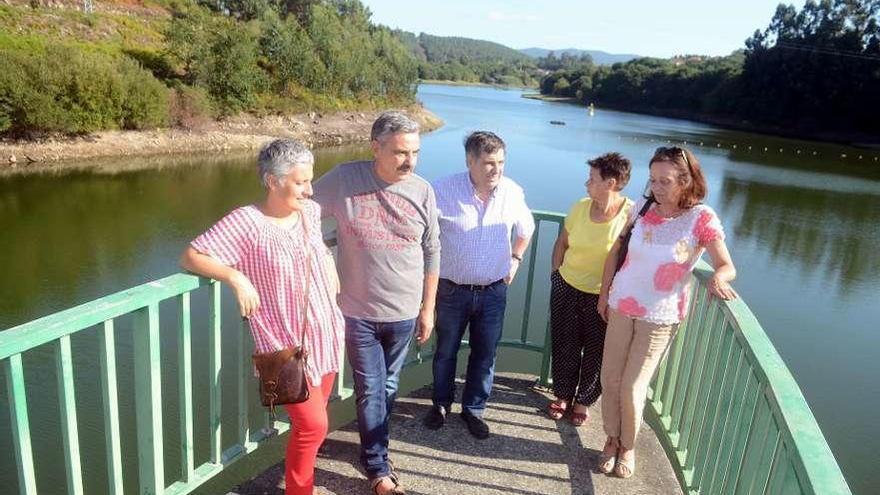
[(670, 153)]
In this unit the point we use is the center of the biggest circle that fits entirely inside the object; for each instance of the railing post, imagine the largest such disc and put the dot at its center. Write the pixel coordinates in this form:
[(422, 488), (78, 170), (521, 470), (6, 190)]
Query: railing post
[(184, 377), (148, 400), (111, 408), (67, 400), (214, 354), (245, 371), (533, 255), (21, 431)]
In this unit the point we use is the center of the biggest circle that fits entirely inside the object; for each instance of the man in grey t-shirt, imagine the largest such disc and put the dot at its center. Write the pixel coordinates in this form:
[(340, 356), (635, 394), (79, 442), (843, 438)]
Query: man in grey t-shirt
[(389, 264)]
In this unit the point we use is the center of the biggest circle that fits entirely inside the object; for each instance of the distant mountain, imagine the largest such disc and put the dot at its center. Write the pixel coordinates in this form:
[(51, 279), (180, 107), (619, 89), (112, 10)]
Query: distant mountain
[(599, 57)]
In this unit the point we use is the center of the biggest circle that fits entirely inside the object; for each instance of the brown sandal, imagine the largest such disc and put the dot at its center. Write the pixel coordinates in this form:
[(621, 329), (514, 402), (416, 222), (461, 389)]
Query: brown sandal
[(396, 490), (578, 419), (624, 469), (555, 410), (607, 462)]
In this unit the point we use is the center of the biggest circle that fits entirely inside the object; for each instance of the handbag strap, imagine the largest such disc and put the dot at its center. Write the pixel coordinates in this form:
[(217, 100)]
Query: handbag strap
[(642, 212), (308, 284)]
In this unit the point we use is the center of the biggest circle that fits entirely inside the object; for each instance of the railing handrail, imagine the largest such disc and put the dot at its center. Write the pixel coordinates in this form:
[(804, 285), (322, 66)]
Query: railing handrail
[(52, 327), (678, 386)]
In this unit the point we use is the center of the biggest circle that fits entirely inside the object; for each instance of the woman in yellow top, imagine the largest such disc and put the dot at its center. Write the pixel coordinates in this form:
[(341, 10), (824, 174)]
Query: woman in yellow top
[(577, 330)]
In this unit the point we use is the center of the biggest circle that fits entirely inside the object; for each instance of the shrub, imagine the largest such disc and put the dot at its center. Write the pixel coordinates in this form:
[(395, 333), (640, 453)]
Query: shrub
[(145, 102), (73, 92), (189, 107)]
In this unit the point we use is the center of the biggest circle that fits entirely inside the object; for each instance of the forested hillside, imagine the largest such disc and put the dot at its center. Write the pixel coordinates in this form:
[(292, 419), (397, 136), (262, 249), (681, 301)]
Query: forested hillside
[(142, 64), (815, 70), (451, 58)]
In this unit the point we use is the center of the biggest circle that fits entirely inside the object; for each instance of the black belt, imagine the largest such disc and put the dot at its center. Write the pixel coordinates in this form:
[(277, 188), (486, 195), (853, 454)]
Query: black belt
[(474, 287)]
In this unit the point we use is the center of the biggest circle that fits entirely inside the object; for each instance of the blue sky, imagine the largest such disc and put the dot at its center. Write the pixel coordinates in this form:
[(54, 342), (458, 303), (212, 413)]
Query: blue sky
[(651, 28)]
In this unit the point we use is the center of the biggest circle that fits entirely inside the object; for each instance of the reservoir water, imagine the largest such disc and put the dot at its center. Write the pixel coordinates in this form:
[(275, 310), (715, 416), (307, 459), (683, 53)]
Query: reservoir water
[(801, 220)]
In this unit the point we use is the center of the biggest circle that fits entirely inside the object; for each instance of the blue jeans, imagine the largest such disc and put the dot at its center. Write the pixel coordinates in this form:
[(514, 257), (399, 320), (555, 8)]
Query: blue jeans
[(376, 351), (460, 307)]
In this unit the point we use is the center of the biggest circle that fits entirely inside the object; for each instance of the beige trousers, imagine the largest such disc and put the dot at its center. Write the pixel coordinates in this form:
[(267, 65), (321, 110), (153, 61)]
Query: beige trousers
[(633, 349)]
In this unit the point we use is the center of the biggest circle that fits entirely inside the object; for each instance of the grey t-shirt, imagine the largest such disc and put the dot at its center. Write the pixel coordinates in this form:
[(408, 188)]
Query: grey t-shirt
[(388, 240)]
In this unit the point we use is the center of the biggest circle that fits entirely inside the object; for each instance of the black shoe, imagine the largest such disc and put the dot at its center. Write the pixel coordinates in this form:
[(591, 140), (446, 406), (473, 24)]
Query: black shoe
[(478, 428), (435, 418)]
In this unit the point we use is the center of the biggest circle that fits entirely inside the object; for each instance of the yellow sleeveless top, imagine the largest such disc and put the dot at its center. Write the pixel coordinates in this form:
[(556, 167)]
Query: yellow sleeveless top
[(588, 245)]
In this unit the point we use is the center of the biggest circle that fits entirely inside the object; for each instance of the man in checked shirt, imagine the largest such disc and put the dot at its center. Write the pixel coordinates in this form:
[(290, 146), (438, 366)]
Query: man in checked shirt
[(479, 210)]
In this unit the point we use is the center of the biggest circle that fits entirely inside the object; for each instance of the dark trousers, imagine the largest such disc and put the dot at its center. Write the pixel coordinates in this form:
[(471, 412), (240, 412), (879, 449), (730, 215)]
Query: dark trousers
[(577, 333), (376, 351), (460, 307)]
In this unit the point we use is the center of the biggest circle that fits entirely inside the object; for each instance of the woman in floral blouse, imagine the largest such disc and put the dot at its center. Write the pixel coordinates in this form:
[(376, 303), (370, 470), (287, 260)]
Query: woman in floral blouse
[(649, 295)]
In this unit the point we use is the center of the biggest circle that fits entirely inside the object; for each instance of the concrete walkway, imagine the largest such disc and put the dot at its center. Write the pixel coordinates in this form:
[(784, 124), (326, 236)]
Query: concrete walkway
[(528, 453)]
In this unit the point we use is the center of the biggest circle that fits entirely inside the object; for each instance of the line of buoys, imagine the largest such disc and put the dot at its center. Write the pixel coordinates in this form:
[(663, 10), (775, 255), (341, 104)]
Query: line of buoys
[(746, 147)]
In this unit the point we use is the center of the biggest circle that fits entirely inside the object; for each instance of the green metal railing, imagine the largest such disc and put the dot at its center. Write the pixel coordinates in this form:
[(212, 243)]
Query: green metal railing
[(726, 409), (729, 414)]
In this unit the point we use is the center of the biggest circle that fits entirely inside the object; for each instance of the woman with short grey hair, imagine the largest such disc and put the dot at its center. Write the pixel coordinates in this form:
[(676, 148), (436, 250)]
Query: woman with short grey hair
[(279, 157), (272, 255)]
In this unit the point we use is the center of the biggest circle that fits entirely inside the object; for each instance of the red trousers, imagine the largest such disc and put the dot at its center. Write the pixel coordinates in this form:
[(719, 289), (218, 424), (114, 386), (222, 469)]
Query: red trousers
[(307, 431)]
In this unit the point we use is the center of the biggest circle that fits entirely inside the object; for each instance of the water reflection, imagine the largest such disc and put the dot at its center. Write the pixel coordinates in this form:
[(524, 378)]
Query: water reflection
[(820, 231), (73, 236)]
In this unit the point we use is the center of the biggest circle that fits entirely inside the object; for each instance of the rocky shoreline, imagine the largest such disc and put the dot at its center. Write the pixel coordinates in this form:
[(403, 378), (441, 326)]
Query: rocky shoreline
[(230, 135)]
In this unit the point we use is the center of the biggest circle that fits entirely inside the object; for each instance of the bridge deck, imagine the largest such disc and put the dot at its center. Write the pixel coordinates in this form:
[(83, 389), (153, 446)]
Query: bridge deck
[(528, 453)]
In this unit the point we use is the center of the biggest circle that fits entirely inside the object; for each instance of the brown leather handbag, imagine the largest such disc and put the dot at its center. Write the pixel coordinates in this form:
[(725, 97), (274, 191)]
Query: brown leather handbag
[(282, 377), (283, 372)]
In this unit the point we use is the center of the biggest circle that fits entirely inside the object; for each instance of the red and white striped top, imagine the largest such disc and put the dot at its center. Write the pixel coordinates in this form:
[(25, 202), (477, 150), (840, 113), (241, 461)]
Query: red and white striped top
[(274, 259)]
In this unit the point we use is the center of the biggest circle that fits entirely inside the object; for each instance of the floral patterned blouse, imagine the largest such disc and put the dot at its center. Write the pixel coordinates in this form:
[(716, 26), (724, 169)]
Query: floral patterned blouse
[(654, 282)]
